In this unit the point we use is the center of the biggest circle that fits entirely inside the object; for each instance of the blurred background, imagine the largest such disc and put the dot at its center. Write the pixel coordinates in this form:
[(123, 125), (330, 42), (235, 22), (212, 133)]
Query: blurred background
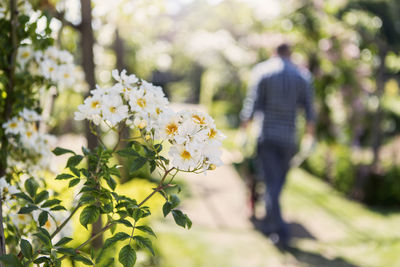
[(342, 201)]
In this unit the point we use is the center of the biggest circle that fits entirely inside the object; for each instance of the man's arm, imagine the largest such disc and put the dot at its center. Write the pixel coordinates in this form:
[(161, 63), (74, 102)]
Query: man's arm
[(308, 102), (254, 101)]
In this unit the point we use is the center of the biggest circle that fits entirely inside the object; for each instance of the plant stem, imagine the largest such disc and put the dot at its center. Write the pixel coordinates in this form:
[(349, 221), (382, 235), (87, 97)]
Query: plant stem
[(59, 228), (159, 187)]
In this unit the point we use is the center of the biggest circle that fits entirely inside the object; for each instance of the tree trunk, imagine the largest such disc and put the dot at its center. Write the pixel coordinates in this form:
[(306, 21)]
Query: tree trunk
[(377, 135), (10, 73), (87, 43)]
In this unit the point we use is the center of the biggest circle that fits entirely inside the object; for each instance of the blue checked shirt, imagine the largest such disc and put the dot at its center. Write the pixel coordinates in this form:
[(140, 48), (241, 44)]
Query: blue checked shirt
[(278, 89)]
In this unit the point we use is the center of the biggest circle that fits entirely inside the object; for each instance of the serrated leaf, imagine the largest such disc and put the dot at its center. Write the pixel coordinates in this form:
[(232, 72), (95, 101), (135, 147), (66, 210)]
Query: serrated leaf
[(137, 164), (167, 207), (63, 241), (27, 209), (44, 238), (67, 251), (89, 214), (41, 196), (31, 186), (179, 218), (158, 148), (83, 259), (114, 239), (74, 182), (128, 152), (24, 196), (124, 222), (58, 207), (41, 260), (60, 151), (111, 183), (74, 160), (26, 248), (174, 199), (50, 202), (146, 229), (144, 242), (87, 199), (64, 176), (153, 166), (127, 256), (43, 217)]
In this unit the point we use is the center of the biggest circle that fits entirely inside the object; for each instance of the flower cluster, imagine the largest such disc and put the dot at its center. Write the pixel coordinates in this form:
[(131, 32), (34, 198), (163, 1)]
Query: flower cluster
[(195, 141), (32, 147), (53, 64)]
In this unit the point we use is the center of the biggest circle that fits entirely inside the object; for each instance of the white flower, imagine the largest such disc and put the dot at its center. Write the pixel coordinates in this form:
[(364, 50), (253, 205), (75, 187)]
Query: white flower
[(25, 53), (6, 189), (113, 109), (65, 75), (123, 78), (183, 159), (90, 109), (30, 115), (49, 69), (168, 125), (13, 126)]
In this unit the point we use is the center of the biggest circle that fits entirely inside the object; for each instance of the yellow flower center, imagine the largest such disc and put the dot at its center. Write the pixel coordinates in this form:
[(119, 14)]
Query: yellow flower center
[(25, 54), (95, 104), (66, 75), (141, 102), (47, 224), (21, 216), (158, 111), (113, 109), (13, 125), (29, 134), (212, 133), (171, 128), (51, 69), (199, 120), (186, 155)]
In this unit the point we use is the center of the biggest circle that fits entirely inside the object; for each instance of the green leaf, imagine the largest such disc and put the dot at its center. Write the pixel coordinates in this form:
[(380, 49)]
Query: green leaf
[(67, 251), (26, 248), (87, 199), (174, 199), (124, 222), (179, 217), (89, 214), (128, 152), (43, 217), (137, 164), (24, 196), (10, 260), (75, 171), (27, 209), (127, 256), (41, 260), (74, 182), (83, 259), (31, 186), (41, 196), (50, 202), (74, 160), (44, 238), (167, 207), (144, 242), (111, 183), (146, 229), (60, 151), (58, 207), (153, 166), (114, 239), (63, 241), (158, 148), (64, 176)]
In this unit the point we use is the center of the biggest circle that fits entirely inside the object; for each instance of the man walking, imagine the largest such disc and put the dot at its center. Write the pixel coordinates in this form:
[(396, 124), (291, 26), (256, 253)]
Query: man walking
[(278, 89)]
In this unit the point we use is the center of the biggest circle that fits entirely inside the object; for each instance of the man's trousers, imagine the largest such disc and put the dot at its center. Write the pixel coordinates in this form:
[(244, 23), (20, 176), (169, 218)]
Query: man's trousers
[(273, 164)]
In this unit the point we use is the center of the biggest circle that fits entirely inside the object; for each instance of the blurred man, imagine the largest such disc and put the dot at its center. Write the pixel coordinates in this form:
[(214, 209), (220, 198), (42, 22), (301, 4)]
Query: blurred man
[(278, 88)]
